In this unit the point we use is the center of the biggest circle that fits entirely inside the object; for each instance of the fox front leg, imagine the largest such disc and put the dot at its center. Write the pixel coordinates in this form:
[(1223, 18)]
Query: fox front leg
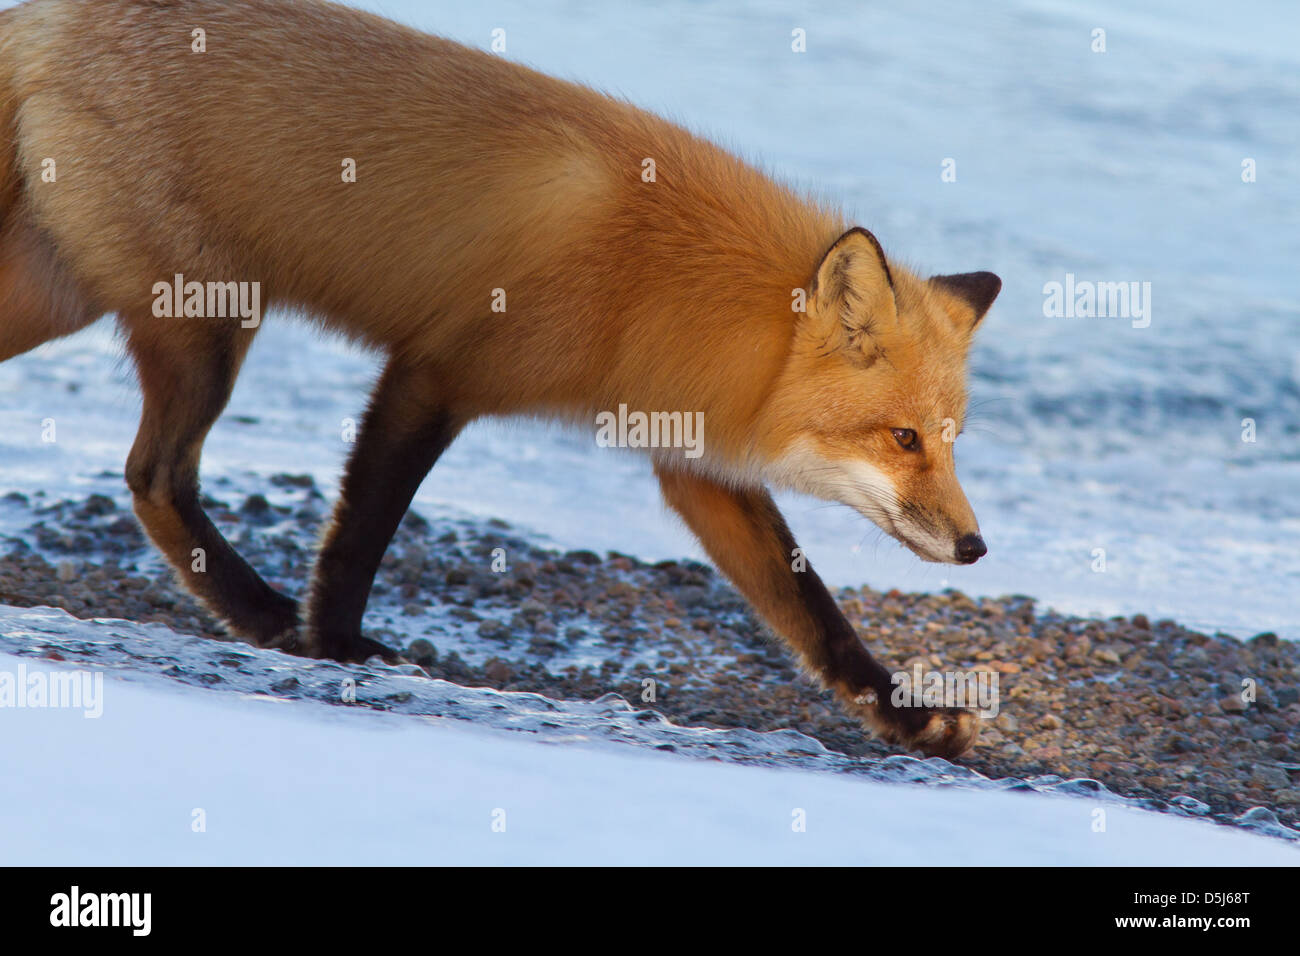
[(745, 535)]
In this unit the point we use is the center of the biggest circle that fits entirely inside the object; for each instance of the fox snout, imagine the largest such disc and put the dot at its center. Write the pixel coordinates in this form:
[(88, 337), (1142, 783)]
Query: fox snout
[(931, 517), (970, 548), (930, 545)]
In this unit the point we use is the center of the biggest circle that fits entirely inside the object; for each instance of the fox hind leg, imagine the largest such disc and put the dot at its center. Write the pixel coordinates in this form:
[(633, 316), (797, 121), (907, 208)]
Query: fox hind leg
[(186, 372), (187, 369), (39, 301)]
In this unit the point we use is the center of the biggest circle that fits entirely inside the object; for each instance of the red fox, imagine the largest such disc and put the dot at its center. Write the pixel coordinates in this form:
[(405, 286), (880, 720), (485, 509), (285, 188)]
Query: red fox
[(515, 245)]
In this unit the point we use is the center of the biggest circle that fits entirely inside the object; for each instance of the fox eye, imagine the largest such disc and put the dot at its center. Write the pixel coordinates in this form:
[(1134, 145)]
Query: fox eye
[(907, 438)]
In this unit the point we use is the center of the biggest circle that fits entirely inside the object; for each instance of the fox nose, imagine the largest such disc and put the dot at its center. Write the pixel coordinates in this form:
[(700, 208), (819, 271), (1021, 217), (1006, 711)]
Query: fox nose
[(970, 548)]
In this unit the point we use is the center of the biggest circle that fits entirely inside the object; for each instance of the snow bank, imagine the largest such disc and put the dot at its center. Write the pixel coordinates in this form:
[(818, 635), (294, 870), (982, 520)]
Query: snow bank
[(182, 775)]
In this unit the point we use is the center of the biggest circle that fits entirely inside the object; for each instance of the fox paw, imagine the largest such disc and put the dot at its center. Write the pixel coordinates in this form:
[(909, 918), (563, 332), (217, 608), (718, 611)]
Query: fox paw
[(934, 731), (350, 649), (357, 649), (289, 640)]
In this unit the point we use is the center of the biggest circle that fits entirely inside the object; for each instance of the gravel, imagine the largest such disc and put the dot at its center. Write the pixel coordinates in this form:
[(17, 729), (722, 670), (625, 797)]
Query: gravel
[(1205, 723)]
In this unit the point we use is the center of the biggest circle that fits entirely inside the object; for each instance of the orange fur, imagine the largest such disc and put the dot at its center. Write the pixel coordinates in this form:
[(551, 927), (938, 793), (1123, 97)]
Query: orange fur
[(473, 174)]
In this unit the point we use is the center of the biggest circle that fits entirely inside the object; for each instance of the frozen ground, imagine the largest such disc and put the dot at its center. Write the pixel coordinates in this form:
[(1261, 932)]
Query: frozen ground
[(1086, 433), (271, 780)]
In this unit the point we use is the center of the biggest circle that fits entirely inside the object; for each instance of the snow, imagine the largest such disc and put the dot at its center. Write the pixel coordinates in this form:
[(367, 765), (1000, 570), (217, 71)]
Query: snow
[(1122, 166), (1085, 433), (293, 761), (282, 782)]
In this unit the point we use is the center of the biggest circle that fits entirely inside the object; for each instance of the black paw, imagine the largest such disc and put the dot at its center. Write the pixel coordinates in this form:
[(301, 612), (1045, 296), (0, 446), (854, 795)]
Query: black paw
[(354, 649), (271, 621)]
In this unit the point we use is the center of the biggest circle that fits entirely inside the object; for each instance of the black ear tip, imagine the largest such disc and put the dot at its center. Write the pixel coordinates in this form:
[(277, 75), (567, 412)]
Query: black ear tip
[(976, 289), (983, 284)]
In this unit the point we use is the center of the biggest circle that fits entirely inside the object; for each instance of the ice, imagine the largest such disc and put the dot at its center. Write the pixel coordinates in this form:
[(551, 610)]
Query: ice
[(415, 771)]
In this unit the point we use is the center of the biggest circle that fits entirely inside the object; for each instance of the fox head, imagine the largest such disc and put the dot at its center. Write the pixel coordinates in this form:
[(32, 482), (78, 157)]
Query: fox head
[(873, 395)]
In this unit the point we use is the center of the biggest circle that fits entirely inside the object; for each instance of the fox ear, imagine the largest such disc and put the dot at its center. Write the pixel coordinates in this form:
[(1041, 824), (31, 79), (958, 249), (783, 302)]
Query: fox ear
[(975, 289), (852, 293)]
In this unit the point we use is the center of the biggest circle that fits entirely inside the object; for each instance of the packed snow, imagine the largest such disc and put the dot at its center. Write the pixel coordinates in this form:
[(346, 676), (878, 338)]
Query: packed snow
[(170, 776)]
